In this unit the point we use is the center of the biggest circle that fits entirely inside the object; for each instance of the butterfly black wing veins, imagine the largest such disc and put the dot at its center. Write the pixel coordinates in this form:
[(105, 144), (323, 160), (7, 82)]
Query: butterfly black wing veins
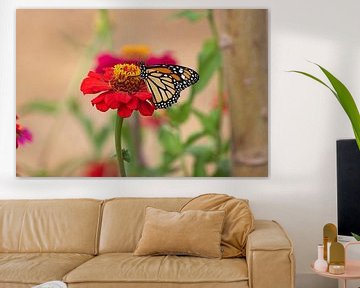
[(165, 82)]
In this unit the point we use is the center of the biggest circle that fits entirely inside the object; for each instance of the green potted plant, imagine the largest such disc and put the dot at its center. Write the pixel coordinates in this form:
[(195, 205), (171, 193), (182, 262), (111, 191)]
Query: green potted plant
[(347, 101)]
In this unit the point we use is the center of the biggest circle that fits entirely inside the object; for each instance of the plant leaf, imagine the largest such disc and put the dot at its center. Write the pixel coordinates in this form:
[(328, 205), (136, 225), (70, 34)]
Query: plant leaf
[(191, 15), (199, 167), (356, 236), (210, 61), (316, 79), (347, 102), (42, 106), (223, 168), (205, 152), (210, 122), (170, 140), (202, 154), (179, 113), (344, 97), (126, 155), (194, 137)]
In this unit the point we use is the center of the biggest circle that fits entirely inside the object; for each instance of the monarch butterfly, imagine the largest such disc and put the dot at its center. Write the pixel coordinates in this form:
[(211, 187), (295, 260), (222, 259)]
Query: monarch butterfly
[(165, 82)]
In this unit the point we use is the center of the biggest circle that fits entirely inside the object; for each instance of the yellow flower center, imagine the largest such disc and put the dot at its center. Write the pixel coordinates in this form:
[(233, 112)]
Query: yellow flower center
[(138, 52), (126, 77)]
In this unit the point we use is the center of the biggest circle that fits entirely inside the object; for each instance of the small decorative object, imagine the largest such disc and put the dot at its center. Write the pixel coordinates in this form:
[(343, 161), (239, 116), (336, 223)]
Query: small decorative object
[(336, 269), (337, 258), (330, 236), (320, 264)]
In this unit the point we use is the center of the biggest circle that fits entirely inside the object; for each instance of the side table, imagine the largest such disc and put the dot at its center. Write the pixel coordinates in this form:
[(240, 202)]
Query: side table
[(352, 269)]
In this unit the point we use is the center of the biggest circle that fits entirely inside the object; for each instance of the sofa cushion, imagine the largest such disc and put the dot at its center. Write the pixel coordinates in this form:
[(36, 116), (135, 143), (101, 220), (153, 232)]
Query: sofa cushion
[(193, 232), (123, 220), (63, 226), (126, 268), (36, 268), (239, 220)]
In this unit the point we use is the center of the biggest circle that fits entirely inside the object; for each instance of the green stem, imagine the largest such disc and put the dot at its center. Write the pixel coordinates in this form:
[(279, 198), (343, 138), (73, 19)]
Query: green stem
[(119, 155), (210, 17)]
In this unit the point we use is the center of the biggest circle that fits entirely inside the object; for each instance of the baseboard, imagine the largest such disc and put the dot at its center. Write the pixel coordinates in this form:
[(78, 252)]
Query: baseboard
[(310, 280)]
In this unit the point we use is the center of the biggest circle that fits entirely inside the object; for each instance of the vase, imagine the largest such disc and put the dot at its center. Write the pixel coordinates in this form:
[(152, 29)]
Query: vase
[(320, 264)]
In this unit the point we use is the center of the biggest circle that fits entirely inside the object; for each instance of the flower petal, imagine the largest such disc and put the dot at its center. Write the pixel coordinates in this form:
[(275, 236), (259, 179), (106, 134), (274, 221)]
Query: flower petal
[(146, 108), (99, 103), (133, 103), (115, 99), (106, 60), (166, 58), (94, 83), (143, 95), (124, 111)]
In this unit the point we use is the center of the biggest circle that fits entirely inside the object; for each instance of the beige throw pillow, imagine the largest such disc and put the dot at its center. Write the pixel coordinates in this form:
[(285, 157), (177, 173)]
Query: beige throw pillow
[(239, 221), (194, 232)]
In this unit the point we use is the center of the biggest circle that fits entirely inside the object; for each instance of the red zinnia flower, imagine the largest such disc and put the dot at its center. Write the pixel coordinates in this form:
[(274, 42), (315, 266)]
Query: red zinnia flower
[(123, 89), (23, 134)]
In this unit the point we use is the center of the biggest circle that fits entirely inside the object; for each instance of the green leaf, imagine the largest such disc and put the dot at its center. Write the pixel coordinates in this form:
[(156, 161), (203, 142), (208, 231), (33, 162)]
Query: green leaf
[(209, 122), (191, 15), (316, 79), (347, 102), (344, 97), (223, 168), (42, 106), (210, 60), (179, 113), (199, 167), (203, 154), (206, 152), (126, 155), (170, 140), (194, 137), (225, 147), (73, 105), (356, 236)]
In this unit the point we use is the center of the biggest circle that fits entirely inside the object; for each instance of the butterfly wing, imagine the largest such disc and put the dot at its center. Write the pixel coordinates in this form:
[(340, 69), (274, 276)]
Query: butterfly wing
[(165, 82)]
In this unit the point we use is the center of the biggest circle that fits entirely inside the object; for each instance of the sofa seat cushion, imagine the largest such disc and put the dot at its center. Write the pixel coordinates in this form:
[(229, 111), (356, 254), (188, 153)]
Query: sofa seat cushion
[(127, 268), (36, 268)]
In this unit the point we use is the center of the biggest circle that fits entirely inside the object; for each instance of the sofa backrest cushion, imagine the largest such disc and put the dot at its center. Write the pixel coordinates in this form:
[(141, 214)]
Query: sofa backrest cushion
[(66, 226), (123, 220)]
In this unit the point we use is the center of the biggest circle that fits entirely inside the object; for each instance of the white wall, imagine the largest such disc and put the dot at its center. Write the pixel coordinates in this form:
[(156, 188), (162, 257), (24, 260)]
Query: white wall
[(305, 120)]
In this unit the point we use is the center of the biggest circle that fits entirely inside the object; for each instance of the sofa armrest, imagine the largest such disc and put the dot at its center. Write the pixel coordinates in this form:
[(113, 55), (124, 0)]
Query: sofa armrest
[(269, 256)]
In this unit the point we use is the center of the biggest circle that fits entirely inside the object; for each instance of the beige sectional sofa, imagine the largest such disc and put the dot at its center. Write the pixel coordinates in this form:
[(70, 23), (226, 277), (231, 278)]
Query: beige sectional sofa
[(89, 243)]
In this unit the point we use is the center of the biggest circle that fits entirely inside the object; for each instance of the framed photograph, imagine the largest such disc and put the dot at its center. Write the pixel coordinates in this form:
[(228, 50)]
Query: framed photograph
[(142, 93)]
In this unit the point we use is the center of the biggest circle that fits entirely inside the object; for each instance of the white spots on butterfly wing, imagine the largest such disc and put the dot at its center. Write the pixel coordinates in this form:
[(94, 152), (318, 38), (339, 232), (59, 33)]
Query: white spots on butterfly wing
[(187, 78)]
